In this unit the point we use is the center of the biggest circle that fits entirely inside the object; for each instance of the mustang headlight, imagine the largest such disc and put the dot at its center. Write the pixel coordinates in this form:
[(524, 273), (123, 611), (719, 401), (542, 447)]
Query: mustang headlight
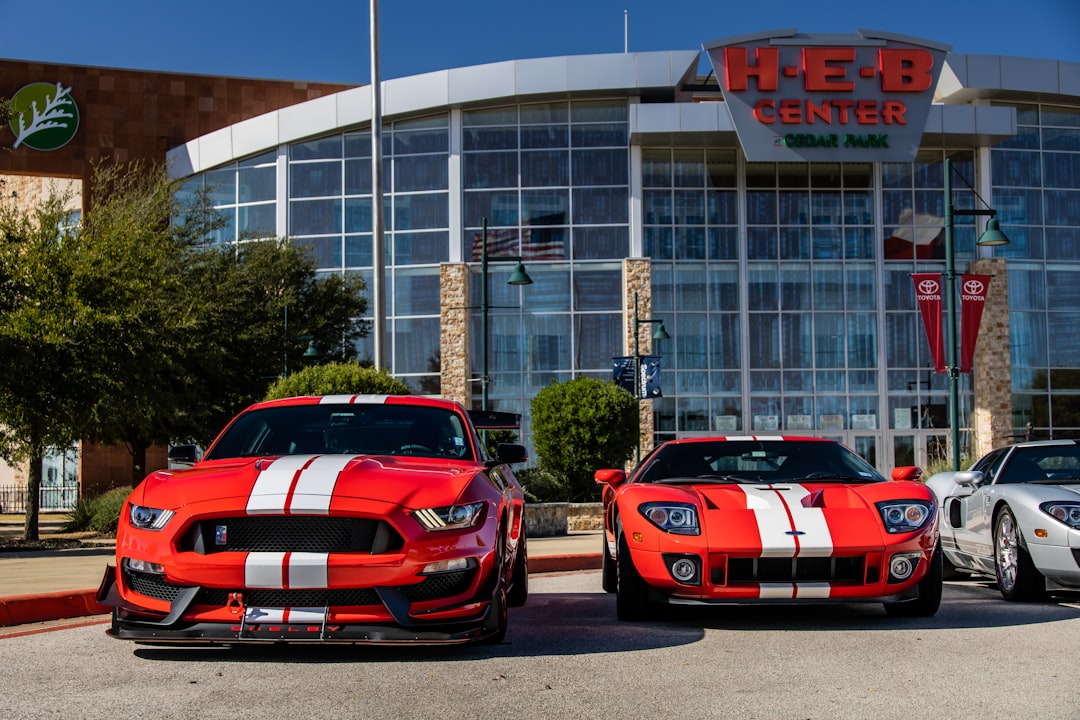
[(148, 518), (1066, 512), (452, 517), (902, 516), (678, 518)]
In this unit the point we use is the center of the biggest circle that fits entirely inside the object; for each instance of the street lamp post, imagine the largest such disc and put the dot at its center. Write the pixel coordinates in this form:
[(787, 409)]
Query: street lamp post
[(518, 277), (992, 236), (659, 334)]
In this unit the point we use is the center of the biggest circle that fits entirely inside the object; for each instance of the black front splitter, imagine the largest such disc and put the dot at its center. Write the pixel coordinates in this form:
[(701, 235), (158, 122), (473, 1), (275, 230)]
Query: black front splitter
[(232, 634)]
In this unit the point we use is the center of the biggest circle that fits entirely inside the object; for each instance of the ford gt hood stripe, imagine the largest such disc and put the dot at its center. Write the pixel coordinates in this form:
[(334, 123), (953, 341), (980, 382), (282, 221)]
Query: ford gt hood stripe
[(787, 527), (790, 591)]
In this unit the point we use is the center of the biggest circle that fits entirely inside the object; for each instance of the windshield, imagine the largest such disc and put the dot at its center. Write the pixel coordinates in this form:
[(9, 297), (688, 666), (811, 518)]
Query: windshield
[(346, 429), (1048, 464), (757, 461)]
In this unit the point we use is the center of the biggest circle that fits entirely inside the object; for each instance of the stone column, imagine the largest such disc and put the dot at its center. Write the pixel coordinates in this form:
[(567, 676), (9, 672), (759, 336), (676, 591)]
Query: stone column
[(454, 331), (991, 418), (637, 278)]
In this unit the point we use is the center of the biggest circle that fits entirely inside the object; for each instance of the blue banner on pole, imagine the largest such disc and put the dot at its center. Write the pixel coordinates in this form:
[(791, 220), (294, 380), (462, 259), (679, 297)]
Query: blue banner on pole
[(650, 377), (622, 370)]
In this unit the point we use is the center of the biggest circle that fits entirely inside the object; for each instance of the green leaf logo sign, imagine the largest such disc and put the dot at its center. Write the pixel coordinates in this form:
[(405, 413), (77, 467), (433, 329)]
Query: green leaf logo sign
[(43, 116)]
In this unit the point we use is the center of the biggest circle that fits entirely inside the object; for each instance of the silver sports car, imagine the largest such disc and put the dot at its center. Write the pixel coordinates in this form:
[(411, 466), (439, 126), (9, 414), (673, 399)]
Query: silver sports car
[(1015, 515)]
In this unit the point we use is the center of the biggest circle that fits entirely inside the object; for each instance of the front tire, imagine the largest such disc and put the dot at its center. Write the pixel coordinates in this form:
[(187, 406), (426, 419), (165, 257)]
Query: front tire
[(930, 586), (1017, 577), (609, 573), (519, 577), (631, 591)]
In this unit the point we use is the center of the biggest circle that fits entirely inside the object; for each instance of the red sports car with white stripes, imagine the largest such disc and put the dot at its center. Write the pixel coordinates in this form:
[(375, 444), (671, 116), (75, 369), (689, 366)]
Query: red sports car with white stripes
[(768, 520), (354, 519)]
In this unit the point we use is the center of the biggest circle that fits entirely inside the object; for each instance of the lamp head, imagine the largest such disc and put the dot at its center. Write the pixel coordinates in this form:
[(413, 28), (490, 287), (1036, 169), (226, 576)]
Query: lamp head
[(519, 276), (993, 234), (312, 351), (660, 333)]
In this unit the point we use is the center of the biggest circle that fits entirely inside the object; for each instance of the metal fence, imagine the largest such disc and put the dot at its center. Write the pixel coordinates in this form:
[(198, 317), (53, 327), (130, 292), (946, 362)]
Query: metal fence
[(51, 498)]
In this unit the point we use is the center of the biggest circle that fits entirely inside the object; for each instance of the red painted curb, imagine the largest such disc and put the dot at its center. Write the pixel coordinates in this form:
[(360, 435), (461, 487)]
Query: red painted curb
[(563, 563), (25, 609)]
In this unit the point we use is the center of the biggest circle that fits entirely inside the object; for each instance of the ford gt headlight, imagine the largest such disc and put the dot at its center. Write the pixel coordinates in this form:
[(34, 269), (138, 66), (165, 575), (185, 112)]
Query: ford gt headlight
[(678, 518), (1066, 512), (148, 518), (902, 516), (451, 517)]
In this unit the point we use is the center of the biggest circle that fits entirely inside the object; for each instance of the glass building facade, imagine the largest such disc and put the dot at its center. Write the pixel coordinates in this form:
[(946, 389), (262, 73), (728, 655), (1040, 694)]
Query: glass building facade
[(786, 287)]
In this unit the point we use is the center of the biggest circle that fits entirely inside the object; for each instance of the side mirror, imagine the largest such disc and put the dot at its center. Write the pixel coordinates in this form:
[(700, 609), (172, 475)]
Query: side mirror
[(511, 453), (971, 478), (609, 476), (182, 456), (907, 472)]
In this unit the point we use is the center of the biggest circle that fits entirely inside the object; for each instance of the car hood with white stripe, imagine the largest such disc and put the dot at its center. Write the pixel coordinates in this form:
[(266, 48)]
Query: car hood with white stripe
[(787, 519), (307, 483)]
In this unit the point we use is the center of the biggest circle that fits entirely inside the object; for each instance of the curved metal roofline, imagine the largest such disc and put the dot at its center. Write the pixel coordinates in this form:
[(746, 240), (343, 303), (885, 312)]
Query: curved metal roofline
[(509, 80)]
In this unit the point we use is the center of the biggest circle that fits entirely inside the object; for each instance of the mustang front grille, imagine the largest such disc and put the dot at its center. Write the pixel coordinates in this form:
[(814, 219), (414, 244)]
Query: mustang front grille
[(432, 587), (292, 598), (151, 585), (291, 533), (439, 586), (792, 570)]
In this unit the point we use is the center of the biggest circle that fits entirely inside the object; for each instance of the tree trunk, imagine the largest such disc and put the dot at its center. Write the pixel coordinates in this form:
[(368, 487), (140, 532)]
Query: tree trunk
[(33, 496), (138, 461)]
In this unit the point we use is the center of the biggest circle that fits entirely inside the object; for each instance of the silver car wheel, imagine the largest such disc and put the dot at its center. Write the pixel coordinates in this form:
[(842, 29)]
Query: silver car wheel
[(1006, 551)]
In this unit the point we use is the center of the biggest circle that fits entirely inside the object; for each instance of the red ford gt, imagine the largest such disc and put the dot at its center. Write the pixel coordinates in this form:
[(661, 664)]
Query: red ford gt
[(354, 519), (768, 519)]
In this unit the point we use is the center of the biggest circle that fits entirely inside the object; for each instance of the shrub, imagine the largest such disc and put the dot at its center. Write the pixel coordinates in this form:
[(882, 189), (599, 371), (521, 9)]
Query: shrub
[(78, 517), (543, 486), (583, 425), (349, 378), (945, 465), (106, 510)]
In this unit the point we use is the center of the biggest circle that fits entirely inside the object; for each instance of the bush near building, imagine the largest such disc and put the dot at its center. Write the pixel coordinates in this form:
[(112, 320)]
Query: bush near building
[(580, 426)]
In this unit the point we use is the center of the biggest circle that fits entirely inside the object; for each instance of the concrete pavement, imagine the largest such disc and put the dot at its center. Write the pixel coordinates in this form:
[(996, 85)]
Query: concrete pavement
[(42, 585)]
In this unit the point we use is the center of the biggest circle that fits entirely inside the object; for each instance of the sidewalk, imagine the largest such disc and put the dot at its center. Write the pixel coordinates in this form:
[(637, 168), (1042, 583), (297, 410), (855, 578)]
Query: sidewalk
[(41, 585)]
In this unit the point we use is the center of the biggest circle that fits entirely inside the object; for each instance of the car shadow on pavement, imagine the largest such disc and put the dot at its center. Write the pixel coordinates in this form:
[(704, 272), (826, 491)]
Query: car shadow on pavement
[(569, 624), (549, 624)]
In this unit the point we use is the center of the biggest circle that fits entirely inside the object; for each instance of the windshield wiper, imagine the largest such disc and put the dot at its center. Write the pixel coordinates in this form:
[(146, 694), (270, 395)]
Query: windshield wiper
[(1071, 480), (830, 477), (712, 479)]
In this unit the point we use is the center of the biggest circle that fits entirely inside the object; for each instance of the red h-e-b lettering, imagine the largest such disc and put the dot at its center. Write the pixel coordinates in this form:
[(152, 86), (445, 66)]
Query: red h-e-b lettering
[(906, 69)]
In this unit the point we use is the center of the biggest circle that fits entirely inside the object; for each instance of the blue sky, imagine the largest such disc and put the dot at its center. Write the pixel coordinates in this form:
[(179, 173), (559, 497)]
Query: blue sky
[(329, 41)]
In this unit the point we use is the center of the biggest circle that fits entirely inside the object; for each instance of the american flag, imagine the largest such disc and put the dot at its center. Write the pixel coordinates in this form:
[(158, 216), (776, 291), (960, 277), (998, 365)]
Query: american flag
[(530, 246)]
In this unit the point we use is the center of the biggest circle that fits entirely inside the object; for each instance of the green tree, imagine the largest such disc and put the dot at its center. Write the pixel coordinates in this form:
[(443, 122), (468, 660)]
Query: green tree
[(49, 327), (267, 302), (131, 327), (580, 426), (349, 378), (142, 262), (201, 328)]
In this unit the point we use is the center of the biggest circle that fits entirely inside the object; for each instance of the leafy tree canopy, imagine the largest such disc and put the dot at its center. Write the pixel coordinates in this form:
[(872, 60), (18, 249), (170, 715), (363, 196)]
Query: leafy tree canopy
[(132, 326)]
